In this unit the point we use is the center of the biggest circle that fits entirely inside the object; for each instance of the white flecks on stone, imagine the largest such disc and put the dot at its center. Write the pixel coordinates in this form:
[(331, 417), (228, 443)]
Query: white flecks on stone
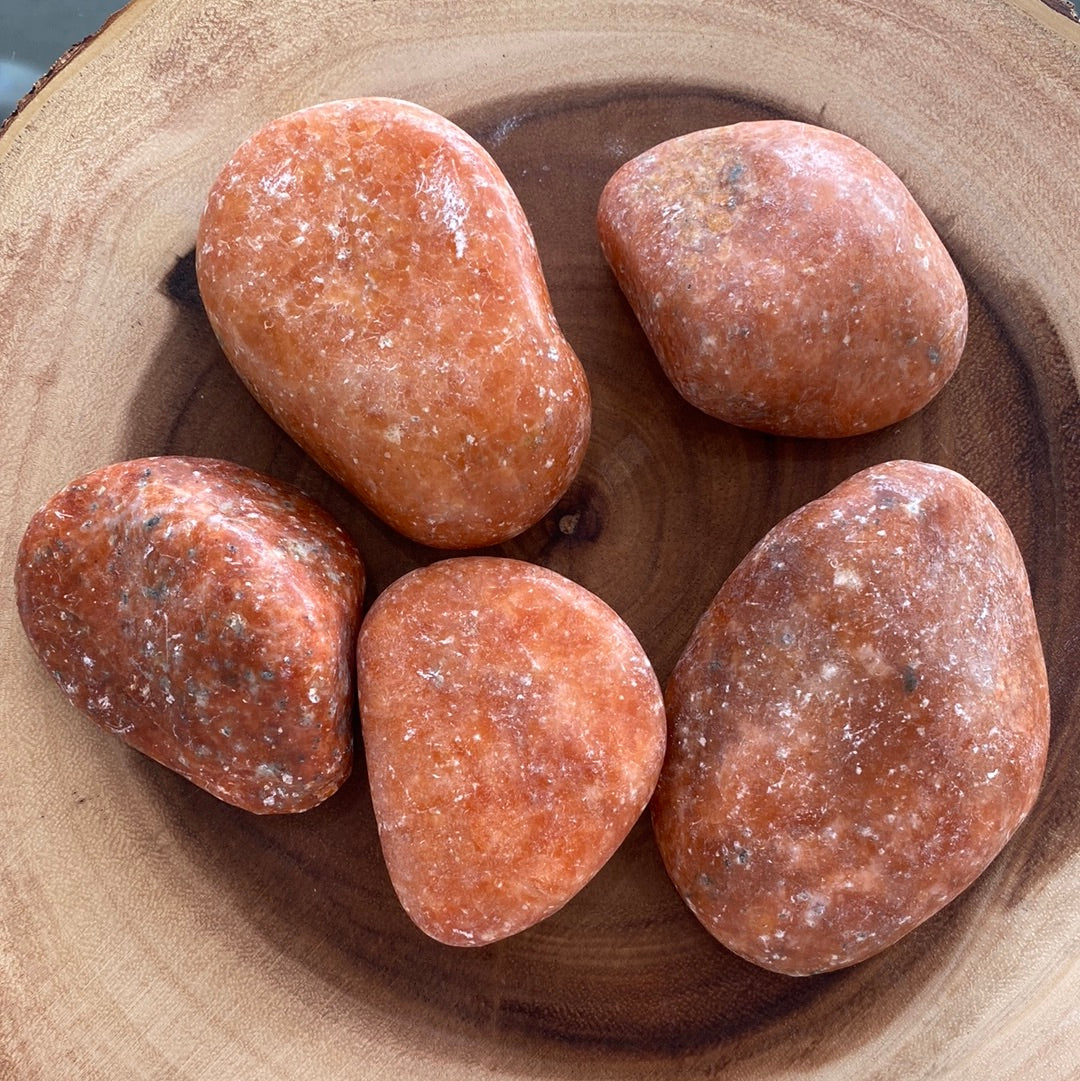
[(847, 578), (278, 186)]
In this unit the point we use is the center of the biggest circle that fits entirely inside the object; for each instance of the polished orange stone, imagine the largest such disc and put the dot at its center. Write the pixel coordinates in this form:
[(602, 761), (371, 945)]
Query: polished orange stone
[(513, 730), (859, 722), (786, 278), (207, 616), (371, 276)]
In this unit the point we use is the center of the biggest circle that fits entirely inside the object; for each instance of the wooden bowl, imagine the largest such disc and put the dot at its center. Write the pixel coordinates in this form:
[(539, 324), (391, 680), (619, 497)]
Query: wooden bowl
[(149, 931)]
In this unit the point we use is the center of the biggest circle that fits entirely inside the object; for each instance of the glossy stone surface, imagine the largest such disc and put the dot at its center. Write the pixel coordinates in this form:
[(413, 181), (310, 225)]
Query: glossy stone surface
[(513, 730), (372, 278), (858, 724), (207, 616), (785, 277)]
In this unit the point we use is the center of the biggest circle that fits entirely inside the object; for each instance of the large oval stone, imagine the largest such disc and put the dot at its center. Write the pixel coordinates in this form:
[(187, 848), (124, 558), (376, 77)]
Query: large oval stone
[(372, 278), (858, 724)]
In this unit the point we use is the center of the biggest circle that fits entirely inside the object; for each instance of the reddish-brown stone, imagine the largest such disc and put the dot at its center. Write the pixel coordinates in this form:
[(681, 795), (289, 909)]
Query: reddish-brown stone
[(372, 278), (785, 277), (513, 730), (206, 615), (858, 724)]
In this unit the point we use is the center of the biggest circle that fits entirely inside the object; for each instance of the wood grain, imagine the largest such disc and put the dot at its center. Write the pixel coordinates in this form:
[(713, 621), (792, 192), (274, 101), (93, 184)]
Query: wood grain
[(148, 931)]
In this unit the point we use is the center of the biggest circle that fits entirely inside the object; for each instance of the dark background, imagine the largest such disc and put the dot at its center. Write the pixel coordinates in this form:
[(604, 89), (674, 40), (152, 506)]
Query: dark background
[(35, 33)]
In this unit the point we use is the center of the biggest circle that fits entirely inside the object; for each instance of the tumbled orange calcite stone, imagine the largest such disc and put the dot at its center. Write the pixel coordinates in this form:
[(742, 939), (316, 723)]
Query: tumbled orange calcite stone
[(372, 278), (858, 724), (785, 277), (207, 616), (513, 729)]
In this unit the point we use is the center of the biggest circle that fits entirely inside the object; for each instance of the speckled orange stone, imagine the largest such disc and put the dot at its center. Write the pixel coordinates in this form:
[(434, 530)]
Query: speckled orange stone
[(858, 724), (786, 278), (372, 278), (207, 616), (513, 730)]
